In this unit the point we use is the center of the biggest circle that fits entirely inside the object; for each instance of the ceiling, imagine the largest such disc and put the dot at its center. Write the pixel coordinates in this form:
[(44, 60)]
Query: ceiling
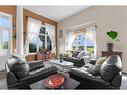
[(56, 13)]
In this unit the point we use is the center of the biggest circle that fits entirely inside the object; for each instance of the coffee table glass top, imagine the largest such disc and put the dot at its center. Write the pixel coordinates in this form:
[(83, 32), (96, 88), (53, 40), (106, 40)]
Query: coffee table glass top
[(63, 67), (65, 63)]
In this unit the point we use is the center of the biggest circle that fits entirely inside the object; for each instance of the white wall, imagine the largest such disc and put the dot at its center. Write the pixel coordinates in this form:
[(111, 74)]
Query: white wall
[(107, 18)]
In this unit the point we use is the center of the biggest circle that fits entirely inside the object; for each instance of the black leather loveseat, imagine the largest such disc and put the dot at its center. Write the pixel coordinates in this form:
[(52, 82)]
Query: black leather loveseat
[(77, 62), (109, 75), (20, 74)]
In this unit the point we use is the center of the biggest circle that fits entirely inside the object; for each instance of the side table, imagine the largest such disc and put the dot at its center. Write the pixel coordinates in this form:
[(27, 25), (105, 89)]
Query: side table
[(108, 53)]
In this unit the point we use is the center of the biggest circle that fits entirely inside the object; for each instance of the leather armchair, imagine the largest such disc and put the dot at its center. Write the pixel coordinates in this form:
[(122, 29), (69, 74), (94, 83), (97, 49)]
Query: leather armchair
[(109, 76), (20, 74)]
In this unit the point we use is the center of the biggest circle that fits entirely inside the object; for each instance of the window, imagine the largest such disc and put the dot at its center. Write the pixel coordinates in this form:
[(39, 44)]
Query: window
[(83, 42), (5, 32), (83, 39), (38, 38)]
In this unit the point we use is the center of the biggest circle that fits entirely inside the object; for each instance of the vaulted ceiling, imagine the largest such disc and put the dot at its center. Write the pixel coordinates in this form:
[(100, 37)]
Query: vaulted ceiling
[(56, 13)]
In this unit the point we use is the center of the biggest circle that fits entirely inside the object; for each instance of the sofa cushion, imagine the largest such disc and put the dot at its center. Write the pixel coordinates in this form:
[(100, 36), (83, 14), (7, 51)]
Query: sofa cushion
[(21, 69), (68, 54), (94, 70), (40, 73), (100, 61), (86, 59), (81, 54)]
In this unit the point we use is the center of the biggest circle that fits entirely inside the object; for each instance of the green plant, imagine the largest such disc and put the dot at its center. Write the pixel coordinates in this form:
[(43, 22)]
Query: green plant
[(61, 54), (112, 35), (61, 57), (113, 38)]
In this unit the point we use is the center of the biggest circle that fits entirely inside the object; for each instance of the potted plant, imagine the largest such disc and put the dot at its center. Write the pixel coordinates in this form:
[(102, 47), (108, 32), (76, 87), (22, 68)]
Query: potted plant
[(112, 35), (61, 58)]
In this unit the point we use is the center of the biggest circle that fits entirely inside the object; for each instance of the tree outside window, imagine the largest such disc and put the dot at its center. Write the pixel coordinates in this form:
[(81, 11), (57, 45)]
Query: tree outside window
[(39, 41)]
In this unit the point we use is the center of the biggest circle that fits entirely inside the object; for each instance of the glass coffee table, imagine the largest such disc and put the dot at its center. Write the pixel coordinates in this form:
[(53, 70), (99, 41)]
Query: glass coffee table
[(63, 67), (52, 82)]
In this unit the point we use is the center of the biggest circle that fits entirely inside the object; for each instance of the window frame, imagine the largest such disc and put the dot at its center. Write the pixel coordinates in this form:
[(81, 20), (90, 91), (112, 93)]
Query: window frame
[(9, 29), (77, 46), (46, 35)]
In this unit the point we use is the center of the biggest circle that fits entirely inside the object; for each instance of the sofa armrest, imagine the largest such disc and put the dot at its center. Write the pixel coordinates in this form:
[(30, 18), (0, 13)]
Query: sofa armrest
[(11, 78), (70, 59), (39, 74), (84, 77), (93, 61), (78, 62), (116, 81)]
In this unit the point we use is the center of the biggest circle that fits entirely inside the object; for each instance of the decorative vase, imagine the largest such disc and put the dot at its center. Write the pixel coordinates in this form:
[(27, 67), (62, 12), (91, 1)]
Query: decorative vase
[(110, 47), (61, 58)]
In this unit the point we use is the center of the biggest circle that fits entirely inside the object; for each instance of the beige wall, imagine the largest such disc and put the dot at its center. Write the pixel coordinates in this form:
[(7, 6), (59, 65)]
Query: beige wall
[(106, 18)]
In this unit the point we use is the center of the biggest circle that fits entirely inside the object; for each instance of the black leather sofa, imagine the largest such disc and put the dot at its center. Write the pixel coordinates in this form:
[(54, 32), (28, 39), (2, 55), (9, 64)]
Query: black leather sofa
[(109, 76), (77, 62), (20, 74)]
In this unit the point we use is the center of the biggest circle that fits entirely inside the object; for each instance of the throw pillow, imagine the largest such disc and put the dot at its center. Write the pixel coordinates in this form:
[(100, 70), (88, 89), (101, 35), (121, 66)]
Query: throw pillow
[(94, 70), (81, 54), (100, 61), (75, 54), (86, 59), (68, 54)]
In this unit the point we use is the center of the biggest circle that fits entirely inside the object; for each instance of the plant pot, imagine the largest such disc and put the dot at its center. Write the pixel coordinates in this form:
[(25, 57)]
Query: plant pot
[(110, 46), (61, 58)]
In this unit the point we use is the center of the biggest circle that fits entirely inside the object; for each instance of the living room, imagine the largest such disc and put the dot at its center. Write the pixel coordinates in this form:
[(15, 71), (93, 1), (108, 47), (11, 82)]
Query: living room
[(62, 46)]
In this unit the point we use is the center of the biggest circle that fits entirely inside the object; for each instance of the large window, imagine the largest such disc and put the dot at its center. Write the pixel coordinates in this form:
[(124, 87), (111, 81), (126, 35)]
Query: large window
[(38, 38), (82, 39), (83, 42), (5, 33)]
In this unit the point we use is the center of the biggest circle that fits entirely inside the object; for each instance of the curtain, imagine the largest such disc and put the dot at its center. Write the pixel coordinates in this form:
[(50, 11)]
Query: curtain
[(70, 38), (91, 33), (50, 29), (33, 27), (33, 30)]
